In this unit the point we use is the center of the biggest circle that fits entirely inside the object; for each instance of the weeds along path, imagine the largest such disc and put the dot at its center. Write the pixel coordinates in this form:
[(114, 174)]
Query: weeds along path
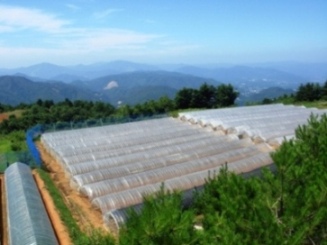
[(85, 215)]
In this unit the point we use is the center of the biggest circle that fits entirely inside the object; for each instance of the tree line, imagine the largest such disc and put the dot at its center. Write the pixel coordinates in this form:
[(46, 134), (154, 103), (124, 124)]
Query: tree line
[(305, 92), (46, 111), (311, 92)]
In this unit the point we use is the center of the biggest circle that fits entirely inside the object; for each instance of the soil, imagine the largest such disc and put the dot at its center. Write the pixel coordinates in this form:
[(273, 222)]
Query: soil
[(3, 216), (84, 213), (3, 116), (59, 228)]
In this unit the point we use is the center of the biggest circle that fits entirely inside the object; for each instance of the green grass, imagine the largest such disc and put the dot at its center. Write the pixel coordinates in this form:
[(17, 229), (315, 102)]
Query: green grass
[(78, 237), (5, 144), (315, 104), (320, 104), (15, 141)]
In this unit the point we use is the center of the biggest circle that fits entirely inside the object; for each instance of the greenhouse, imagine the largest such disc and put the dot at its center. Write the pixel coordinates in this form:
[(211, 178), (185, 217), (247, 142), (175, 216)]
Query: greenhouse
[(116, 165), (28, 221), (267, 123)]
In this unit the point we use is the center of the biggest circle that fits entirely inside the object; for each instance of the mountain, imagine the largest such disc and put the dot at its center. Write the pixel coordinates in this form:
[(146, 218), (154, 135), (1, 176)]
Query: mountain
[(311, 72), (132, 82), (15, 90), (240, 76), (137, 87), (136, 95), (269, 93), (47, 71), (288, 74), (148, 78), (41, 71), (128, 88)]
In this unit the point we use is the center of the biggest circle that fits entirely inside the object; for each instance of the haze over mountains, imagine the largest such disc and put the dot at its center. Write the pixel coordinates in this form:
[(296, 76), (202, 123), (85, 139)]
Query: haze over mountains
[(131, 83)]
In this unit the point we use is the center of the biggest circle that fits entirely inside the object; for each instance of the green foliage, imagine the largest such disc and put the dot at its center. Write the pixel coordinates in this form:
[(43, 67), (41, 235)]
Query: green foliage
[(310, 92), (161, 221), (14, 141), (235, 211), (61, 113), (291, 205), (4, 108), (225, 95), (302, 165), (207, 96)]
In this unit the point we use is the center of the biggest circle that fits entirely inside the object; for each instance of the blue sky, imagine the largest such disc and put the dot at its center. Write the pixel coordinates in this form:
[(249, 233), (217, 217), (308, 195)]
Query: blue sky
[(194, 32)]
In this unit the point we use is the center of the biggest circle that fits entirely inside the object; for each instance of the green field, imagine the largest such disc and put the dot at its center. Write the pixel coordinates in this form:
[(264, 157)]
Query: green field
[(5, 144), (14, 141)]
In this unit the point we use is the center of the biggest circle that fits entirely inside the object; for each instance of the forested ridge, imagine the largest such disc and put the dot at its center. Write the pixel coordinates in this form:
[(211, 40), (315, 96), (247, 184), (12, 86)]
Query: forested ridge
[(49, 112), (308, 92)]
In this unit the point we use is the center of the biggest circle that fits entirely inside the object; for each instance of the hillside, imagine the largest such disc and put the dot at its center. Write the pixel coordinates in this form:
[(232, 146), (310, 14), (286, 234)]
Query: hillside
[(15, 90), (129, 88), (132, 83), (138, 87), (269, 93), (67, 74)]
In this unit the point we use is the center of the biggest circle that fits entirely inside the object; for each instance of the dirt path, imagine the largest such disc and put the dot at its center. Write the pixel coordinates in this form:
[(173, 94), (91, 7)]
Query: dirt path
[(59, 228), (85, 215), (3, 216)]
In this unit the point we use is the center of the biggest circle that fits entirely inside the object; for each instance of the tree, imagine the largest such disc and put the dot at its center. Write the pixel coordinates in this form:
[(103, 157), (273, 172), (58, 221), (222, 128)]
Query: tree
[(302, 168), (267, 101), (324, 91), (161, 221), (309, 92), (164, 105), (183, 98), (225, 95), (235, 211), (207, 96), (2, 108)]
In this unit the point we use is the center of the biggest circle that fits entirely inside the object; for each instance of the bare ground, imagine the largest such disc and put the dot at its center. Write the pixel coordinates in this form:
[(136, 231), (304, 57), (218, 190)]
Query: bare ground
[(3, 216), (86, 216)]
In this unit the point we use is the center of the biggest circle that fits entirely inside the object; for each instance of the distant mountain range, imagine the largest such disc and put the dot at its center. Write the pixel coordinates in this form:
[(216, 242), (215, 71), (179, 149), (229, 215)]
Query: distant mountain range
[(127, 88), (129, 82), (15, 90), (140, 86)]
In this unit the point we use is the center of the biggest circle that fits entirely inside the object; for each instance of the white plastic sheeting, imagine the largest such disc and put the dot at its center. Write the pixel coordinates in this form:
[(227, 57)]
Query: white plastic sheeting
[(115, 166), (119, 216), (28, 222), (184, 182), (194, 163), (146, 154), (269, 123), (147, 160)]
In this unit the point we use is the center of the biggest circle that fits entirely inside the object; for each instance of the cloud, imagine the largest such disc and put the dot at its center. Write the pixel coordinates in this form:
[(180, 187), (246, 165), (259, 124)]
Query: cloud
[(105, 13), (58, 33), (37, 36), (24, 18), (4, 28), (111, 85)]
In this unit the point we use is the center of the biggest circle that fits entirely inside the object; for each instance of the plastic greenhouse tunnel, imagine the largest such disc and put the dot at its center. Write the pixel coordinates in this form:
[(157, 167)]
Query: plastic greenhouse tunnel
[(28, 221)]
